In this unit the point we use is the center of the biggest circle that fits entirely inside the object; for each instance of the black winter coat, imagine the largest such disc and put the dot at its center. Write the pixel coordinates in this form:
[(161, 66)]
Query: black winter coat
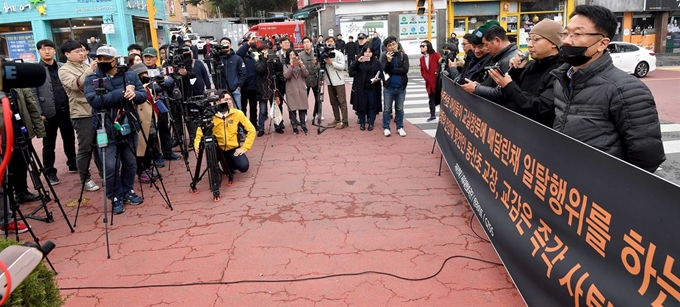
[(488, 87), (606, 108), (265, 83), (249, 61), (363, 72), (531, 92)]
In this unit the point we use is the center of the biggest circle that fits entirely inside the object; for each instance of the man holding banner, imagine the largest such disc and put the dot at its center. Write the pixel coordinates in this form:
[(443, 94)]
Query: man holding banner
[(597, 103)]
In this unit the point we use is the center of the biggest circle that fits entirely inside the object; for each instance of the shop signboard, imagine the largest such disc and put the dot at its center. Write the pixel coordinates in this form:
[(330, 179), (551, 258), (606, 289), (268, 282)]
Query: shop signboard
[(662, 5), (21, 46), (353, 28), (413, 29)]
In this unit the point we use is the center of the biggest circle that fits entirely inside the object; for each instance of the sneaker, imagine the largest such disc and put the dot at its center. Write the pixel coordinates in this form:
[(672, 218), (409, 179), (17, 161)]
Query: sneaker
[(401, 132), (387, 132), (260, 133), (27, 197), (12, 227), (91, 186), (144, 178), (334, 123), (172, 156), (54, 180), (132, 199), (159, 162), (340, 126), (72, 169), (431, 118), (154, 173), (118, 206), (279, 130)]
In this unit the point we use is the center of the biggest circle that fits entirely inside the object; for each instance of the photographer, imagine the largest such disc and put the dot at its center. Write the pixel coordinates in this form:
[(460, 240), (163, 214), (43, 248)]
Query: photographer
[(180, 59), (233, 71), (160, 89), (30, 116), (249, 90), (114, 92), (226, 124), (335, 65), (265, 86)]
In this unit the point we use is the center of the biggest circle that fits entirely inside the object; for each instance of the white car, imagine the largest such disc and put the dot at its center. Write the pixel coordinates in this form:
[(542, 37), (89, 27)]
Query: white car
[(193, 37), (201, 42), (632, 59)]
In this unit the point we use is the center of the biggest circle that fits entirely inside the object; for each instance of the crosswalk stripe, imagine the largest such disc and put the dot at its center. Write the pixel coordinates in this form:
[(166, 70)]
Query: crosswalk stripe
[(670, 128), (671, 146)]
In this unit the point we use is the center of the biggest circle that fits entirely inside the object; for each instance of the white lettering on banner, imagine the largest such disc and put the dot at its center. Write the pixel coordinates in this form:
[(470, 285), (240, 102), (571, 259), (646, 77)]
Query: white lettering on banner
[(140, 5), (89, 9), (473, 198)]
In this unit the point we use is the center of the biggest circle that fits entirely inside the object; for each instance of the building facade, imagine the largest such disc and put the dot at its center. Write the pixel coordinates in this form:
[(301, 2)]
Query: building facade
[(115, 23), (651, 24), (398, 18)]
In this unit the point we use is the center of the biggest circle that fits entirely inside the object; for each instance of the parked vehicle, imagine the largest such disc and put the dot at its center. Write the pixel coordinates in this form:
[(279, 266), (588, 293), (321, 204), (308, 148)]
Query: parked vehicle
[(632, 59), (294, 29), (201, 42), (193, 37)]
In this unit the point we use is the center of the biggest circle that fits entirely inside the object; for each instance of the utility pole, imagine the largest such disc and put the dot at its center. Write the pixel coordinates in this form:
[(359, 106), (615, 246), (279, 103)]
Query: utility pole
[(151, 10), (430, 10), (241, 11), (185, 13)]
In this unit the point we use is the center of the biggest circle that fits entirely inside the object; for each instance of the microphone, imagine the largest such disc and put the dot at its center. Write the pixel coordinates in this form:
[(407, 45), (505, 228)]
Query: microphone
[(21, 75)]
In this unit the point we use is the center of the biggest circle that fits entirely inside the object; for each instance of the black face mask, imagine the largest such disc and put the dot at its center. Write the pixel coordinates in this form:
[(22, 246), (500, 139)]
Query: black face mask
[(575, 56), (144, 80), (222, 107), (105, 66)]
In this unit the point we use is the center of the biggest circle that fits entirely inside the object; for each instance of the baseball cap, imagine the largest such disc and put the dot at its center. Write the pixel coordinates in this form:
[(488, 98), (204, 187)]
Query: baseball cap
[(139, 68), (151, 51), (361, 36), (107, 51)]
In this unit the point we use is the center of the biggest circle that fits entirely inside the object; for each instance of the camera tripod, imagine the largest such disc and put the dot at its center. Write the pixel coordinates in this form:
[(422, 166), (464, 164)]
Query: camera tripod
[(208, 145), (10, 203), (24, 147), (316, 121)]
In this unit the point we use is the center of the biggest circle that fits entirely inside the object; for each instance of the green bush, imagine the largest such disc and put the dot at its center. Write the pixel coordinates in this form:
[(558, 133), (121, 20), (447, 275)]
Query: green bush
[(38, 289)]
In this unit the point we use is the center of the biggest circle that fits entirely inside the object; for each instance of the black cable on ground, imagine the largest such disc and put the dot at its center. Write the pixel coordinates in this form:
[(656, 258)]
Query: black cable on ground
[(246, 281), (473, 230)]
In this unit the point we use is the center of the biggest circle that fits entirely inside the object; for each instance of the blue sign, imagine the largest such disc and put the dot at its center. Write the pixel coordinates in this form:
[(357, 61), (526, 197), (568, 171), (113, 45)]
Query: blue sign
[(21, 46)]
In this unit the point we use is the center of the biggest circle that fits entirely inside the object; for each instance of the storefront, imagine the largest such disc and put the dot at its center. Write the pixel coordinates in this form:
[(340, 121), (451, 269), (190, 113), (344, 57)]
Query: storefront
[(518, 17), (667, 23), (116, 23)]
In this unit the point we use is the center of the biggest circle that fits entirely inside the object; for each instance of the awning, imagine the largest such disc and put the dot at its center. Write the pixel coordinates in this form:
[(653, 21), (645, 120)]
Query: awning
[(158, 22), (303, 14), (373, 25)]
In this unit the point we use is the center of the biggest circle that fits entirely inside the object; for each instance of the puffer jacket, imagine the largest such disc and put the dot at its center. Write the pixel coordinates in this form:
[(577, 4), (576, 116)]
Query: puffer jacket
[(113, 99), (44, 95), (226, 129), (234, 72), (249, 62), (72, 76), (30, 115), (610, 110)]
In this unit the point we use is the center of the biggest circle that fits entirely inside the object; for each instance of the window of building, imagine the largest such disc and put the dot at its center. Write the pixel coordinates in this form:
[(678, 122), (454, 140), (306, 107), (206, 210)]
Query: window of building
[(541, 5)]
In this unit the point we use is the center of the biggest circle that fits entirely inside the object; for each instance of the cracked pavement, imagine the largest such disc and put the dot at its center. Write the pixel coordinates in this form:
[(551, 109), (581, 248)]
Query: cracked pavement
[(345, 201)]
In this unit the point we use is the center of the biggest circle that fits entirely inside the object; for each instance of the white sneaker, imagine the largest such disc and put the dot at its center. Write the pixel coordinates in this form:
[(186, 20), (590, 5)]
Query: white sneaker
[(91, 186), (401, 132), (387, 132)]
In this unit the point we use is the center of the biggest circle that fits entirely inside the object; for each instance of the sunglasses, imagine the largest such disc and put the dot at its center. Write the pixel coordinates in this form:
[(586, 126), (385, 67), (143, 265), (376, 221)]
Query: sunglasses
[(423, 46)]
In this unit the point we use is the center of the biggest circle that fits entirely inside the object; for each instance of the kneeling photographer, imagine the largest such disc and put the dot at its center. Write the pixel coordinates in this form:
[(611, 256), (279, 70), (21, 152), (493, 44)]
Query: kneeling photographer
[(115, 93), (226, 123)]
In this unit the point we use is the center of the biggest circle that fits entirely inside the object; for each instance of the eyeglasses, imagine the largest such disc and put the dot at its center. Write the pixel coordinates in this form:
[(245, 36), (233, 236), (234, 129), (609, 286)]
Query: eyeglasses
[(578, 35), (534, 40), (423, 46)]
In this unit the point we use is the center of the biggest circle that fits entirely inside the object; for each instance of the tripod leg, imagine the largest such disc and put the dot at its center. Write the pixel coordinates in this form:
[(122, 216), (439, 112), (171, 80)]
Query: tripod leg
[(441, 160), (214, 175), (433, 143), (196, 177), (36, 161), (82, 188)]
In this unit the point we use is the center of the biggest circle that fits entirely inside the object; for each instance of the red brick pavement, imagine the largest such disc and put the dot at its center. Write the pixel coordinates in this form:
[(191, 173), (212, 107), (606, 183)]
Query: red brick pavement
[(311, 205)]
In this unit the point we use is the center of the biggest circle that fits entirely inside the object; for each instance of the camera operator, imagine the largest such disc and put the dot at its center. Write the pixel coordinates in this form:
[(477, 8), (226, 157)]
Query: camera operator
[(265, 86), (233, 71), (147, 120), (72, 76), (249, 90), (121, 90), (226, 124), (335, 65), (164, 86), (30, 115)]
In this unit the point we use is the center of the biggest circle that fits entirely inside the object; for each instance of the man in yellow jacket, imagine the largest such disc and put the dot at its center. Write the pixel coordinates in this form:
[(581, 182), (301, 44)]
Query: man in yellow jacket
[(226, 123)]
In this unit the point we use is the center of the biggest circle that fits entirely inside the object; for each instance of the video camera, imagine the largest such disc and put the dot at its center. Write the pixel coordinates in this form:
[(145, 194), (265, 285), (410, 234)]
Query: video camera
[(178, 56), (200, 108), (324, 52)]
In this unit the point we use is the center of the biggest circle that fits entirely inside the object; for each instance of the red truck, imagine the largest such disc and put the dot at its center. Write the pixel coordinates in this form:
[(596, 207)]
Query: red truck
[(294, 29)]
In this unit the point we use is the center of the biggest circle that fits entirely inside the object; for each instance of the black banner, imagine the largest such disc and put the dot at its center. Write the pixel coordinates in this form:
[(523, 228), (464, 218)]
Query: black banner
[(572, 225)]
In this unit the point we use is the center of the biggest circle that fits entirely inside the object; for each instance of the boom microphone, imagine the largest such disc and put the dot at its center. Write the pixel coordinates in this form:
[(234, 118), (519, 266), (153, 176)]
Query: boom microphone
[(21, 75)]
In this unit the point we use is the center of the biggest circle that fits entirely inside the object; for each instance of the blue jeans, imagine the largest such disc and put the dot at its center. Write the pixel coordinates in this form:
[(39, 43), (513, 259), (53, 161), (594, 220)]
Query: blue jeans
[(125, 179), (370, 109), (396, 95), (237, 98)]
